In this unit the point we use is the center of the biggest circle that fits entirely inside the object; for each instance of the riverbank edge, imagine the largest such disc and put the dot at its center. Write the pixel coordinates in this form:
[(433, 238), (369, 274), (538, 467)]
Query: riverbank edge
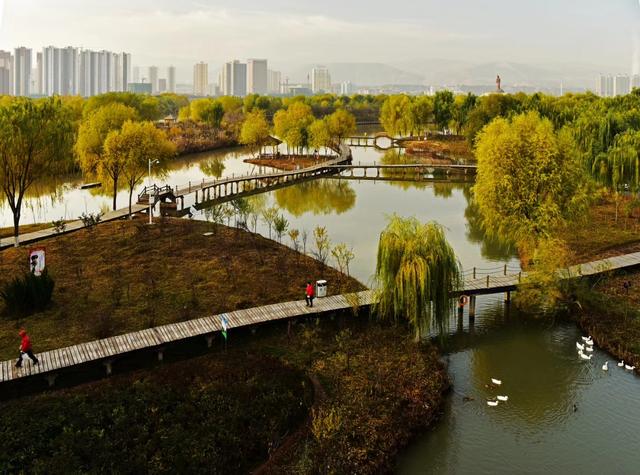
[(410, 423), (587, 315)]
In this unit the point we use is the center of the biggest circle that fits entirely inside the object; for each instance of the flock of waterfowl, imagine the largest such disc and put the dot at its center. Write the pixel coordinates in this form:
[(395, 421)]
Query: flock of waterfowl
[(493, 402), (585, 350), (588, 347)]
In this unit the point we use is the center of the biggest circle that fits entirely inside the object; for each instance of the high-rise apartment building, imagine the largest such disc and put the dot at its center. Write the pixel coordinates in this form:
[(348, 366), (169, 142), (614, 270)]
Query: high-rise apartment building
[(201, 79), (153, 79), (234, 79), (320, 80), (171, 79), (604, 86), (22, 71), (346, 88), (6, 73), (59, 71), (621, 85), (257, 76), (274, 80)]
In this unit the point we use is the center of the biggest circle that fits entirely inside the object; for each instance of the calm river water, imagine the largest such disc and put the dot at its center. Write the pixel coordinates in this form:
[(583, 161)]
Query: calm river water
[(537, 430)]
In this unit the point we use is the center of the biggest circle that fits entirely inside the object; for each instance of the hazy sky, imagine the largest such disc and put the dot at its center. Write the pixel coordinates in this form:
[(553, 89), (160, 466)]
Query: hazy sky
[(296, 32)]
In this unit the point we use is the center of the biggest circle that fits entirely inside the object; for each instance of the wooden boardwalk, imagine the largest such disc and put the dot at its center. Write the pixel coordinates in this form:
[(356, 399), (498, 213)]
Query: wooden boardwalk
[(105, 351), (235, 186), (35, 236)]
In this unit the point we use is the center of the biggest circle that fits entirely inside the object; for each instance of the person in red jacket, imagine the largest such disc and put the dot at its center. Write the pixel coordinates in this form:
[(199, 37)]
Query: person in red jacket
[(25, 348), (310, 293)]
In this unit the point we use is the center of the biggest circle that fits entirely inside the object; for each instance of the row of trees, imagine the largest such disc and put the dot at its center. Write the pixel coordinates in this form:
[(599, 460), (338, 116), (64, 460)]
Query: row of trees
[(298, 128), (108, 136)]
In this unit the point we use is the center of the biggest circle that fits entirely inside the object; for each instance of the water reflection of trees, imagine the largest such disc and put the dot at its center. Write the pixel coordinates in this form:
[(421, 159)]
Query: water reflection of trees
[(316, 196), (491, 247), (213, 167), (405, 179)]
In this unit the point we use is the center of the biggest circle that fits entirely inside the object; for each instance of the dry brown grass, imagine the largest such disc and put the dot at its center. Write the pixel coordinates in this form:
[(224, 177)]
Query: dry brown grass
[(450, 147), (287, 163), (125, 276), (601, 235)]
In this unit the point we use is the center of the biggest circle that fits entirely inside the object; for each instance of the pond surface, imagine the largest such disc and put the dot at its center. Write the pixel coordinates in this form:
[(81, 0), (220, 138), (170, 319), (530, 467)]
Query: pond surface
[(537, 430)]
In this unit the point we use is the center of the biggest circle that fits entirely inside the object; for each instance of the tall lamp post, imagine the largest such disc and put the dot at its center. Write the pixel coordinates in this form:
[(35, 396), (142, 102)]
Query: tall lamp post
[(151, 162)]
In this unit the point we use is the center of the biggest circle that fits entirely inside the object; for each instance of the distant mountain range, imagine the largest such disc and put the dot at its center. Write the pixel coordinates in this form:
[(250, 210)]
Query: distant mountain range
[(438, 72)]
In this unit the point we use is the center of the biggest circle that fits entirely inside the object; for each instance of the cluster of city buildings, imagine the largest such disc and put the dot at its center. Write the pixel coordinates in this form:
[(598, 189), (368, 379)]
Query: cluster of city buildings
[(238, 78), (84, 72), (63, 71), (616, 85)]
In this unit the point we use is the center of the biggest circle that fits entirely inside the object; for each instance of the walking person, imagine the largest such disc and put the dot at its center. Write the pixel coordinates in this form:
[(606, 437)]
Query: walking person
[(309, 294), (25, 348)]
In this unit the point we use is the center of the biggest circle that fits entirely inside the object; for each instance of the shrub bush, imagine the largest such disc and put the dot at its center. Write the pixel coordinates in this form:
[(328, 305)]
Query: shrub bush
[(28, 294)]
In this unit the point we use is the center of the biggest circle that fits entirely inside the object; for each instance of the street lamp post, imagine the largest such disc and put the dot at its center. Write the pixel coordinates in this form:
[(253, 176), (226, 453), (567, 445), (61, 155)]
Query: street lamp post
[(151, 162)]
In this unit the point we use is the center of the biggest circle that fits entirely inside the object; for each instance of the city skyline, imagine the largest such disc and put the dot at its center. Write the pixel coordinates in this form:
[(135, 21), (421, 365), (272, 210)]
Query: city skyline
[(162, 32)]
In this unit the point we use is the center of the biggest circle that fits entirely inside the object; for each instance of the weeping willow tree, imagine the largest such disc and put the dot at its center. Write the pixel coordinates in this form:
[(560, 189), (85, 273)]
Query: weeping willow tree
[(621, 164), (416, 272)]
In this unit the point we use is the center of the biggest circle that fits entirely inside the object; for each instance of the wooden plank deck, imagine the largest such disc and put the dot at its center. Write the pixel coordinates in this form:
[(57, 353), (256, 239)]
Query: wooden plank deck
[(109, 348), (154, 338)]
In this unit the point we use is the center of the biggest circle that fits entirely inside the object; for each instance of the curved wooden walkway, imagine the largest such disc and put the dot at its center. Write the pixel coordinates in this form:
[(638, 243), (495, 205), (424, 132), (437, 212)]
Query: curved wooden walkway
[(105, 351)]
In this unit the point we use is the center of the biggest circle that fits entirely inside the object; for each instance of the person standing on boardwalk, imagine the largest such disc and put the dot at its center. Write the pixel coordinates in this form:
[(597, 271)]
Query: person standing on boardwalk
[(25, 348), (309, 294)]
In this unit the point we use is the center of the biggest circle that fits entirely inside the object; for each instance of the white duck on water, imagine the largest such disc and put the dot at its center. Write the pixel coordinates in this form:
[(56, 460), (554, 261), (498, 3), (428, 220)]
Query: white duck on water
[(579, 346), (586, 338), (497, 382), (585, 357), (621, 364), (502, 398), (605, 367), (492, 403), (629, 368)]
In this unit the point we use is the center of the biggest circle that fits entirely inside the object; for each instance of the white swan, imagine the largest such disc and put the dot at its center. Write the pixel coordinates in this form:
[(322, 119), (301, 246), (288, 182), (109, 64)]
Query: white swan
[(579, 346), (605, 367), (630, 368), (585, 357), (502, 398), (492, 403), (621, 364), (497, 382), (590, 348)]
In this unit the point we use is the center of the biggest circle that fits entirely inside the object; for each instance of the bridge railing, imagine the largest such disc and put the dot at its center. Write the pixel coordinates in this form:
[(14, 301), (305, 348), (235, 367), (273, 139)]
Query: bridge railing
[(502, 270)]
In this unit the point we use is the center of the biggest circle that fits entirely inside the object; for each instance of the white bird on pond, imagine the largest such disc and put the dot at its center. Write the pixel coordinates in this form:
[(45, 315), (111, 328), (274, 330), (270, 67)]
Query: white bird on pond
[(579, 346), (590, 348), (586, 338), (492, 403), (628, 367), (502, 398), (497, 382), (621, 364), (589, 342), (585, 357), (605, 367)]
